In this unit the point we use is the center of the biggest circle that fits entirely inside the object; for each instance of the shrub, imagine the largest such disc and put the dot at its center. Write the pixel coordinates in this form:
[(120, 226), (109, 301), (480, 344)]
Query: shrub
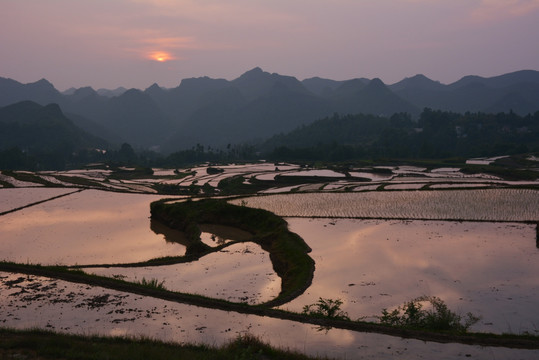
[(439, 317), (326, 308)]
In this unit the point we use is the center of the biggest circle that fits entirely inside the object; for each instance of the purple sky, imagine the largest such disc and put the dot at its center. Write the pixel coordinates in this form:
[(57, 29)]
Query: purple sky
[(111, 43)]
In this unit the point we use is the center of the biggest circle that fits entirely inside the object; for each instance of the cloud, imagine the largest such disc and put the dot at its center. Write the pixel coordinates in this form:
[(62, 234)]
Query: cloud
[(218, 11), (490, 10), (171, 42), (211, 25)]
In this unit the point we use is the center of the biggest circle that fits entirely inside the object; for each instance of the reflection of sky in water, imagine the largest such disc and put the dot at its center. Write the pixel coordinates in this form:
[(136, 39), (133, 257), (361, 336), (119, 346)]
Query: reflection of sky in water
[(13, 198), (136, 316), (214, 234), (85, 228), (486, 268), (240, 273)]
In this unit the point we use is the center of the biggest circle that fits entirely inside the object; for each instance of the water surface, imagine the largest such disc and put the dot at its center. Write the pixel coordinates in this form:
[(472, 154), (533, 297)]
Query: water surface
[(13, 198), (89, 227), (489, 269), (30, 301), (240, 273)]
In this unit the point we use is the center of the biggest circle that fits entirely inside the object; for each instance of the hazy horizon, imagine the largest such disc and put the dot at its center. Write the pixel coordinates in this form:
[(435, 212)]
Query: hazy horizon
[(135, 43), (64, 89)]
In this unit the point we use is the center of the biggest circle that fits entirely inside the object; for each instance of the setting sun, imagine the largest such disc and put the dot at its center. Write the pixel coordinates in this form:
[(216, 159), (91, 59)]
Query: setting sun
[(160, 56)]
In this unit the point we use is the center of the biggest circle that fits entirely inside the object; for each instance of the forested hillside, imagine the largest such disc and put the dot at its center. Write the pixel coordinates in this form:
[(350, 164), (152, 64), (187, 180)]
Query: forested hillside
[(436, 134)]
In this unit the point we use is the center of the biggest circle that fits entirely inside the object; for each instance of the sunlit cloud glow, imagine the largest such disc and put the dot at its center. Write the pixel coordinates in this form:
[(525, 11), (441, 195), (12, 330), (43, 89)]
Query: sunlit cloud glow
[(170, 42), (162, 49), (161, 56), (490, 10)]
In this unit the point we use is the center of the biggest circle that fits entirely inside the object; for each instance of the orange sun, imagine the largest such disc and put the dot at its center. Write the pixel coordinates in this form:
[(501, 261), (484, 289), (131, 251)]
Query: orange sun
[(160, 56)]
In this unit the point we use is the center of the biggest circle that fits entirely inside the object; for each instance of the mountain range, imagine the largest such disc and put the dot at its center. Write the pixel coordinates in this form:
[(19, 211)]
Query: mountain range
[(258, 105)]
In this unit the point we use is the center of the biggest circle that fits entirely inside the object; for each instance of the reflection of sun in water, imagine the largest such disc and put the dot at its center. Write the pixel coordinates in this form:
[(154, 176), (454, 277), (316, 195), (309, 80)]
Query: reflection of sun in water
[(160, 56)]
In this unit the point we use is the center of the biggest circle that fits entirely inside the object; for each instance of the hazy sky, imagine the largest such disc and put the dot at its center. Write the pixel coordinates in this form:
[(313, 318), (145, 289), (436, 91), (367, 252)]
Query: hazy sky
[(134, 43)]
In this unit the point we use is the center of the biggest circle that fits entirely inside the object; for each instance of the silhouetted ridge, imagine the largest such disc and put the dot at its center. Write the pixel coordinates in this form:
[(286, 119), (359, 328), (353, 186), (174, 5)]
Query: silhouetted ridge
[(259, 104), (418, 81)]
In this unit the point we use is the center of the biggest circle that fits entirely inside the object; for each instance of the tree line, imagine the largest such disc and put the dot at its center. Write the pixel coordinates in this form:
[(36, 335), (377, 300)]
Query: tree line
[(435, 134)]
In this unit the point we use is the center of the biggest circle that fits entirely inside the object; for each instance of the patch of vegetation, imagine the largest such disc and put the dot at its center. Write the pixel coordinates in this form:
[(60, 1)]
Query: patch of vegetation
[(6, 184), (439, 318), (37, 344), (288, 252), (300, 180), (436, 135), (237, 185), (328, 308), (173, 189), (28, 177), (214, 171), (79, 181), (152, 283), (138, 172)]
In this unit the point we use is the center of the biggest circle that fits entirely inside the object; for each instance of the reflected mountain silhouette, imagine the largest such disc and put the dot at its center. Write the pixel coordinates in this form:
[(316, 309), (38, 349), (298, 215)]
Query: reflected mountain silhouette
[(171, 235)]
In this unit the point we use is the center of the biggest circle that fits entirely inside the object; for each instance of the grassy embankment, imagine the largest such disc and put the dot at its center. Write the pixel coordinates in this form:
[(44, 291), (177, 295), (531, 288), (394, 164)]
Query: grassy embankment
[(36, 344), (288, 252)]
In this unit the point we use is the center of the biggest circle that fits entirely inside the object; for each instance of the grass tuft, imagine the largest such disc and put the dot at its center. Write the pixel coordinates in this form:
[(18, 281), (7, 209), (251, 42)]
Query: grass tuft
[(152, 283)]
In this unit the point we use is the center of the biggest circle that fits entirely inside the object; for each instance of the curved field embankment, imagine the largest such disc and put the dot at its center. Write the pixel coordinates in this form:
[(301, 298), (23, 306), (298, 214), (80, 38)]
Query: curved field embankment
[(288, 252)]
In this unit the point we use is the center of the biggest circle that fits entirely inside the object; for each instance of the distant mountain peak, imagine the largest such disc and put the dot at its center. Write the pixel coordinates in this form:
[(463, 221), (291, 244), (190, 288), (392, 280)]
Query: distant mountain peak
[(418, 81), (256, 70), (376, 82), (87, 90), (256, 82), (154, 91), (43, 83), (131, 92), (69, 91), (154, 86), (253, 74), (111, 93)]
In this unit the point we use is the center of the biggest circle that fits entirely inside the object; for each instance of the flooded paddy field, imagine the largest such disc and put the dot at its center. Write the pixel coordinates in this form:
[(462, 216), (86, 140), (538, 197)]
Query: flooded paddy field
[(489, 269), (404, 233), (264, 176), (481, 205), (88, 227), (16, 198), (30, 301), (239, 273)]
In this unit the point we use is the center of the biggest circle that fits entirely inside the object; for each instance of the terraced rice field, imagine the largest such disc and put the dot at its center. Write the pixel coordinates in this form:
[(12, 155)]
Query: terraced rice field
[(480, 205), (474, 248)]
